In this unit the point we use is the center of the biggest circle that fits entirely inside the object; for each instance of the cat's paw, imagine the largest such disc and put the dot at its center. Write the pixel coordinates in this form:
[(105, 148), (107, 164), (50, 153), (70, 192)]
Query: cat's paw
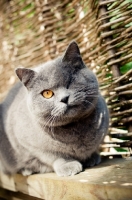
[(69, 168), (95, 159), (26, 172)]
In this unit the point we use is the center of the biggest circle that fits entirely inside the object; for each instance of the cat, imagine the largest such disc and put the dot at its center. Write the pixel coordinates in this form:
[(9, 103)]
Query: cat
[(53, 119)]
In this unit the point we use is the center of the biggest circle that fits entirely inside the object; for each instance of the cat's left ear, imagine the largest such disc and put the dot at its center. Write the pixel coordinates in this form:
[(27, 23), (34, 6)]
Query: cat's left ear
[(25, 75), (72, 53)]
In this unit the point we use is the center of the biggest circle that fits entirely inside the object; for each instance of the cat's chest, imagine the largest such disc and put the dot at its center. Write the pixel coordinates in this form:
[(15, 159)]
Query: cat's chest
[(79, 149), (76, 134), (77, 142)]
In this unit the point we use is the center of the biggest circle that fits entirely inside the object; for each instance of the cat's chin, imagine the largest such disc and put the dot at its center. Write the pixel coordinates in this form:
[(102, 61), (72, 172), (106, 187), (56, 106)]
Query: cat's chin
[(64, 120)]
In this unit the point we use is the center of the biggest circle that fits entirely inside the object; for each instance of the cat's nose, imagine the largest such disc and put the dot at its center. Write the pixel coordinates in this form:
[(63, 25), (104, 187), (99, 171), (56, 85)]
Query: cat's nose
[(65, 99)]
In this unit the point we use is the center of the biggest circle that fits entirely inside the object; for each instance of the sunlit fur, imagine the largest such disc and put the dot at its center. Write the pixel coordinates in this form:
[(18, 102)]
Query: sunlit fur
[(61, 133)]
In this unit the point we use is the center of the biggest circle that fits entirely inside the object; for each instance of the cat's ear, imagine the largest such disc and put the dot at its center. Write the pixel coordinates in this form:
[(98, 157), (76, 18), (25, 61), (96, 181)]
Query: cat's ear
[(25, 75), (72, 53)]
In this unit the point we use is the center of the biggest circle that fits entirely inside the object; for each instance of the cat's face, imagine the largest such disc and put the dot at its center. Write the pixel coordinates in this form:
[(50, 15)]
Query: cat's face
[(60, 91)]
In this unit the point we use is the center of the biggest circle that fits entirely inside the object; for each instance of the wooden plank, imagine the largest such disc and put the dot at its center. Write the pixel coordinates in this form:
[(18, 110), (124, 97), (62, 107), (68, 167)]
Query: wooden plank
[(10, 195), (111, 180)]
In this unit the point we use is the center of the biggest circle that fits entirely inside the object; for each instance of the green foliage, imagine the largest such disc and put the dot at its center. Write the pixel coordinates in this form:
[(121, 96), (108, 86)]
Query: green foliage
[(125, 68), (27, 7), (118, 149)]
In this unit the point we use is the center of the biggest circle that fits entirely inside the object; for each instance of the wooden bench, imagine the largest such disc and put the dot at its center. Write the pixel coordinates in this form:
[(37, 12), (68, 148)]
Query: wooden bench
[(111, 180)]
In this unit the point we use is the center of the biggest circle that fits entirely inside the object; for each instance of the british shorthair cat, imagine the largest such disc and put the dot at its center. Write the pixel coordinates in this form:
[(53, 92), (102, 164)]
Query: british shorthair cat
[(53, 119)]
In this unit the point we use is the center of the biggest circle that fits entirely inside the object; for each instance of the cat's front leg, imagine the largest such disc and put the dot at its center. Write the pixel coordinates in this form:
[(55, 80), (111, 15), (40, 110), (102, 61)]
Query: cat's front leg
[(95, 159), (64, 167), (41, 169)]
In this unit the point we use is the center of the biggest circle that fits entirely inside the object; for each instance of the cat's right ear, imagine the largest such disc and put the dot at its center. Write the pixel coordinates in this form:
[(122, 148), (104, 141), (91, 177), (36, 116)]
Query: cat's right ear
[(72, 53), (25, 75)]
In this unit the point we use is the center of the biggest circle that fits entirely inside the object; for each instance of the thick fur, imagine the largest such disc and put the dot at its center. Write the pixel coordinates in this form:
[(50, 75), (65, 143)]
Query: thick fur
[(62, 133)]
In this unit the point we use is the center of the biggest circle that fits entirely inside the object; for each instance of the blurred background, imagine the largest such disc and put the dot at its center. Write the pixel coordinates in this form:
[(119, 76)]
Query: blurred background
[(35, 31)]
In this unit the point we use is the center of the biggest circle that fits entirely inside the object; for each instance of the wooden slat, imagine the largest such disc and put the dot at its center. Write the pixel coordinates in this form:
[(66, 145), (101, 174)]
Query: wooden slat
[(111, 180), (10, 195)]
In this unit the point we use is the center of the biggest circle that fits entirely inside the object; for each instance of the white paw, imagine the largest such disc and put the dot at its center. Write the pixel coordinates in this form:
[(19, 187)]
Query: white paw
[(26, 172), (69, 169)]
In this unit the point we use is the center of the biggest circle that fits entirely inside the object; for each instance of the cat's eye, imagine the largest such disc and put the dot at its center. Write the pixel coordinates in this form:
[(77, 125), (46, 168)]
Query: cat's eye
[(47, 94)]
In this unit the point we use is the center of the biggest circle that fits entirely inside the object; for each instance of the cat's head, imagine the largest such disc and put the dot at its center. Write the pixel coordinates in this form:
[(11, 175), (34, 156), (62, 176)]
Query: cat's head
[(60, 91)]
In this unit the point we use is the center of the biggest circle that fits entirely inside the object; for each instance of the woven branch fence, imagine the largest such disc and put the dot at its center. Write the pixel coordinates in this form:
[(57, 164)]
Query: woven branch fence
[(35, 31)]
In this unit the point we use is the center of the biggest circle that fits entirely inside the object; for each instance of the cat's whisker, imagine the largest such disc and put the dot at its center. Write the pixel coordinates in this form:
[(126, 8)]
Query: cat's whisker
[(52, 128), (89, 95), (51, 125), (58, 111), (92, 104), (55, 111), (47, 121)]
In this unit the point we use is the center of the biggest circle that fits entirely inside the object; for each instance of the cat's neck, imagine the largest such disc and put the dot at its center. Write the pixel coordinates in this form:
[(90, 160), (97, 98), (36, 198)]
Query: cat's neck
[(70, 132)]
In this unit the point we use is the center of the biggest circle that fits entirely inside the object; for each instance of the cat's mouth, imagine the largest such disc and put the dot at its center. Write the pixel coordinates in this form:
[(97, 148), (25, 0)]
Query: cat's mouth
[(65, 115), (64, 110), (70, 115), (59, 110)]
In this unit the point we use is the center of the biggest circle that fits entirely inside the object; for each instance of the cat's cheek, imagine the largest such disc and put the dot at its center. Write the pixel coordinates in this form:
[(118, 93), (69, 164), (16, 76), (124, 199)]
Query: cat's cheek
[(30, 102), (38, 104), (59, 110)]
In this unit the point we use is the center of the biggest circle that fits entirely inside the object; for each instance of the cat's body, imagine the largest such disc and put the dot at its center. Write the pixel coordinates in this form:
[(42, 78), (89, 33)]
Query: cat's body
[(60, 133)]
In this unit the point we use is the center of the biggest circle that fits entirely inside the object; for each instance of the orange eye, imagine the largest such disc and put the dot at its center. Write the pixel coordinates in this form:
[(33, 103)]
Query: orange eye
[(47, 94)]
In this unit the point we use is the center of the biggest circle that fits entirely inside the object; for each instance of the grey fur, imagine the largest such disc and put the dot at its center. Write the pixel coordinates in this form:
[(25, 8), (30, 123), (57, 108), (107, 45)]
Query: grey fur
[(61, 134)]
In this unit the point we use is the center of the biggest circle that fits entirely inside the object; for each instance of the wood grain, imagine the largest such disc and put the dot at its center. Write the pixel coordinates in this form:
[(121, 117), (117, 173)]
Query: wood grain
[(111, 180)]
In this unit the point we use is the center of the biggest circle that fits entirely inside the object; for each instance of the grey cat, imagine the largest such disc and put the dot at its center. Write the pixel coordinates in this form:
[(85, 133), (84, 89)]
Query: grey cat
[(53, 119)]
